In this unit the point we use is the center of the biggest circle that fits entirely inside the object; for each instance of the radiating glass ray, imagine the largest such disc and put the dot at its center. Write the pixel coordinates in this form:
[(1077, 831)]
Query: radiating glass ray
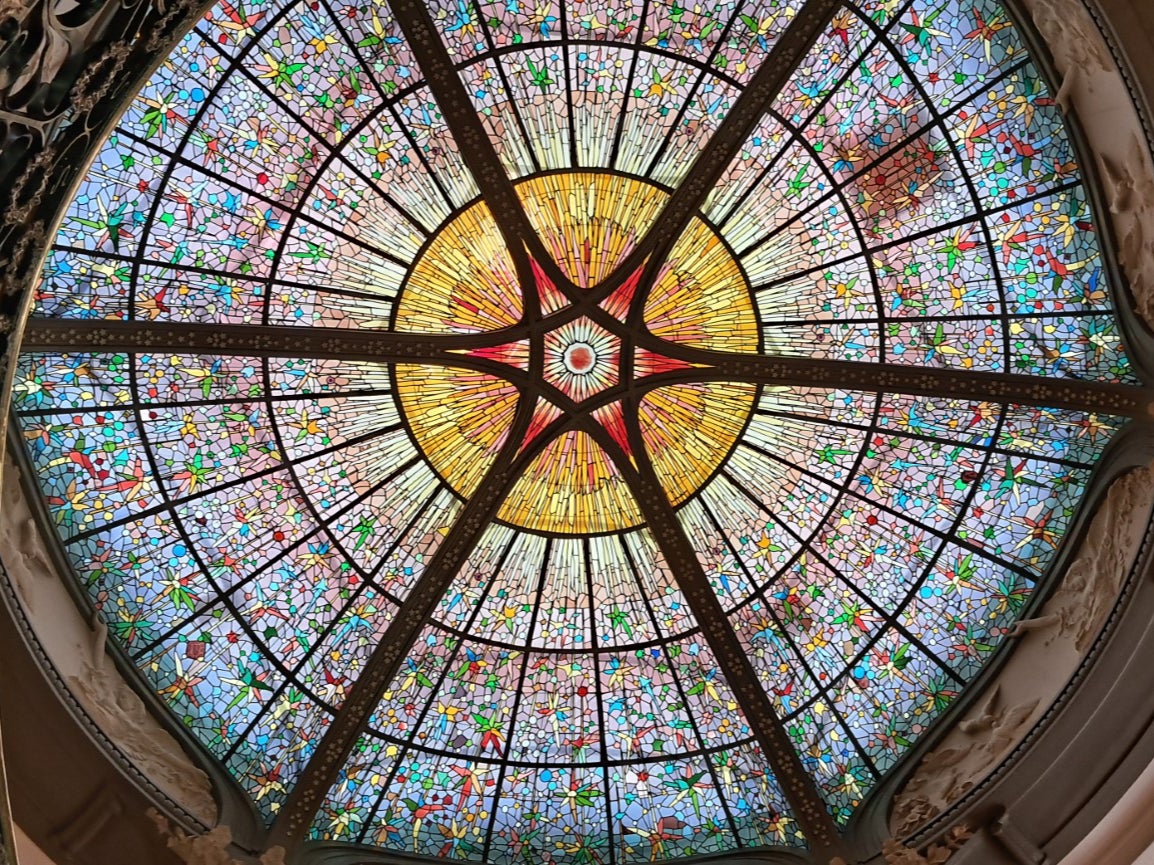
[(599, 76), (822, 234), (662, 86), (572, 487), (759, 153), (499, 113), (701, 297), (385, 152), (464, 281), (459, 419), (689, 430), (537, 84), (419, 114), (590, 221), (790, 182)]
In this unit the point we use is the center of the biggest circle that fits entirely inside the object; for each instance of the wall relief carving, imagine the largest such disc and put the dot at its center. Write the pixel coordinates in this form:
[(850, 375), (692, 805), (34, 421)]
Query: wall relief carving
[(1092, 88), (894, 852), (1130, 192), (1095, 577), (77, 649), (212, 848), (1051, 646), (25, 557), (121, 714), (949, 772), (1073, 40)]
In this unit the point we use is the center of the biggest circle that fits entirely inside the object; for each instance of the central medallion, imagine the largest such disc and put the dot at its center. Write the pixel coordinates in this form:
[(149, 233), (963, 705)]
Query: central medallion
[(579, 358), (465, 281)]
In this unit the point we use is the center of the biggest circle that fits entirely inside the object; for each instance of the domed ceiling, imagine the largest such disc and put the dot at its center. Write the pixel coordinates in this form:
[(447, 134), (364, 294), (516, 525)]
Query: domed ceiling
[(589, 433)]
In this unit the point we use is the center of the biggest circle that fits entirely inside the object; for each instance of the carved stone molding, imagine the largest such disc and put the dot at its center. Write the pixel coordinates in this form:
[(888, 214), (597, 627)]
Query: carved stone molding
[(1051, 647), (894, 852), (1093, 89), (212, 848), (1131, 202), (78, 652)]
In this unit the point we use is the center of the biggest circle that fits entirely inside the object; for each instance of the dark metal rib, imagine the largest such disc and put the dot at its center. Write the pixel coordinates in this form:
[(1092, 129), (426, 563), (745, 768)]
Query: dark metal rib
[(713, 160), (448, 350), (259, 340), (947, 383), (476, 149), (809, 808), (307, 797), (296, 816)]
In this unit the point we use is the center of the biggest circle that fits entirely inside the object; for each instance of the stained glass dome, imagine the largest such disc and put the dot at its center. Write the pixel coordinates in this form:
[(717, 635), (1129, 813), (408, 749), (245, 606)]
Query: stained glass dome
[(578, 432)]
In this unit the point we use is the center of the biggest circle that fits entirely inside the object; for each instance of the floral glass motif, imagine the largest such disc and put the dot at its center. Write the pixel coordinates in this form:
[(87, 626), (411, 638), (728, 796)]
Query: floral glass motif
[(249, 528)]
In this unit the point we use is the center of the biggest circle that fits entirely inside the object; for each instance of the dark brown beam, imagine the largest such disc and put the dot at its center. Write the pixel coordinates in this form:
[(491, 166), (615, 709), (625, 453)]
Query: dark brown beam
[(328, 343), (809, 808), (250, 340), (724, 145), (961, 384), (477, 150), (307, 796), (385, 347)]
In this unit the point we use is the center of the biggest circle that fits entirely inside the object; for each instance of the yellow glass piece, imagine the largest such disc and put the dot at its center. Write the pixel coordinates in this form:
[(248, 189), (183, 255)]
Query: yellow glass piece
[(689, 430), (590, 222), (458, 417), (571, 487), (464, 281), (701, 297)]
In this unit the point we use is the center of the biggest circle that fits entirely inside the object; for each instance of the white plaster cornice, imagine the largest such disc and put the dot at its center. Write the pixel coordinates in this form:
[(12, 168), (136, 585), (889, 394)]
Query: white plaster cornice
[(76, 649), (1093, 88)]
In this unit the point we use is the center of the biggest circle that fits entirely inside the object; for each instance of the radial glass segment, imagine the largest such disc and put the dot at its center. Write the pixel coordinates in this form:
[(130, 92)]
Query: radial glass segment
[(532, 355)]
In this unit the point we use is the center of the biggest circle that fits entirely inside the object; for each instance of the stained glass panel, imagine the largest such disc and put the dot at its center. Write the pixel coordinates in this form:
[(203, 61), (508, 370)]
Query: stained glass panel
[(256, 531)]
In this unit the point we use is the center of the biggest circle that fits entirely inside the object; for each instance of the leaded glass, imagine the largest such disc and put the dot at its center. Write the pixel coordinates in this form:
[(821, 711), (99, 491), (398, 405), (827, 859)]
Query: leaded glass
[(256, 530)]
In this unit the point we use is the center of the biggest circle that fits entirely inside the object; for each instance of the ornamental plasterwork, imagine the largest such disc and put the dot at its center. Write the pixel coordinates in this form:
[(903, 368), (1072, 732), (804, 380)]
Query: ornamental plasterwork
[(76, 649), (1051, 647), (1091, 87), (1058, 637)]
